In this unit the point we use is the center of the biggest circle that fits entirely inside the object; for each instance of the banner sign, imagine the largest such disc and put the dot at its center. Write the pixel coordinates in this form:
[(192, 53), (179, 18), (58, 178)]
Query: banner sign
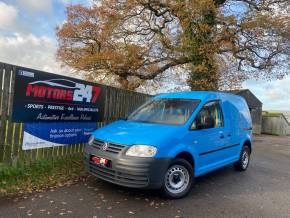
[(46, 97), (42, 135)]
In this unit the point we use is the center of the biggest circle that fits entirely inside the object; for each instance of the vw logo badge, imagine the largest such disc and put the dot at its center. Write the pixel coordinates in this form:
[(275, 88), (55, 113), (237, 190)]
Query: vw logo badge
[(105, 146)]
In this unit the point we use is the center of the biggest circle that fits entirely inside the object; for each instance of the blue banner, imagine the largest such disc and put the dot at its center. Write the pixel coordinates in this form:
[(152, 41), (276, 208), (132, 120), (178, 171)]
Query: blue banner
[(45, 97), (41, 135)]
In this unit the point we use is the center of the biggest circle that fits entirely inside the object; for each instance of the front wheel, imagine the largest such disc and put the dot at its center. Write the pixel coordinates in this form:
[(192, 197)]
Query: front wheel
[(244, 160), (178, 179)]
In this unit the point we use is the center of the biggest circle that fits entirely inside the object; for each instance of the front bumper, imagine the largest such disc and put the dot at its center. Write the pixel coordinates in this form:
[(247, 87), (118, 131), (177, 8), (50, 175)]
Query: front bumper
[(147, 173)]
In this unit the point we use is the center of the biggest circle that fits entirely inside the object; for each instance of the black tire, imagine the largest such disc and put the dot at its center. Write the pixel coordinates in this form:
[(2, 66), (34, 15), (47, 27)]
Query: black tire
[(183, 169), (241, 164)]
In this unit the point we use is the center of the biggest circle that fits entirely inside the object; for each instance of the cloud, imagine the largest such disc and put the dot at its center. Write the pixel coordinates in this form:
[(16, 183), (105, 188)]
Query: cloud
[(35, 49), (8, 16), (275, 94), (83, 2), (31, 51), (36, 6)]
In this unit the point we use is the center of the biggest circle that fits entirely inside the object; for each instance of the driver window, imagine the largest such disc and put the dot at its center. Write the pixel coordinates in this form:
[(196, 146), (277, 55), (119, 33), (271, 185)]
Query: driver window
[(210, 116)]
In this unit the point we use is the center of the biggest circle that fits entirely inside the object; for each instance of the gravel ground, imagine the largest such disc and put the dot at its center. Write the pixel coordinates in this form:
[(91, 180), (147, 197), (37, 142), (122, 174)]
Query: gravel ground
[(262, 191)]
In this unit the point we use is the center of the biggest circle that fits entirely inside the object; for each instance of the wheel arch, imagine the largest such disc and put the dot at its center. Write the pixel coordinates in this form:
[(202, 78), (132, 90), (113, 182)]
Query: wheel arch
[(249, 144), (186, 156)]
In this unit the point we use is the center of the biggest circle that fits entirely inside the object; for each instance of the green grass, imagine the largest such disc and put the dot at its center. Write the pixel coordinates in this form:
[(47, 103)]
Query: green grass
[(272, 114), (40, 175)]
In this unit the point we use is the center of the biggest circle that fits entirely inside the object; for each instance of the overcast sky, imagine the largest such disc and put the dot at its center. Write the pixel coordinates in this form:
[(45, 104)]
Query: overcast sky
[(27, 38)]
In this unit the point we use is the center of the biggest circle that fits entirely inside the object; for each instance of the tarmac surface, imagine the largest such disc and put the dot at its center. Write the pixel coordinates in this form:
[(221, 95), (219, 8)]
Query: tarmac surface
[(262, 191)]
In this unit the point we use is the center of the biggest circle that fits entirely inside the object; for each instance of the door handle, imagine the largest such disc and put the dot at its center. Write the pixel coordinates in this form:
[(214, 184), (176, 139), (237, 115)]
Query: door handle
[(229, 135), (221, 135)]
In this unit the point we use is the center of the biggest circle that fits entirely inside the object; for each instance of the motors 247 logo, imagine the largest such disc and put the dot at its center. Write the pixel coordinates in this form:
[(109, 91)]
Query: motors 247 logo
[(63, 90)]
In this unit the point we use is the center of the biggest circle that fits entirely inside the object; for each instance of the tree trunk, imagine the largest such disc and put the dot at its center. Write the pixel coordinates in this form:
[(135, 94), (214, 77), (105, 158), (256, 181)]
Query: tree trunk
[(204, 74)]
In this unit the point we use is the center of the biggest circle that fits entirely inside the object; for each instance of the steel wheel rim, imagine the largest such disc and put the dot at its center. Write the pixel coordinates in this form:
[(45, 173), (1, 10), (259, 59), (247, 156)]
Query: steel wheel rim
[(245, 159), (176, 179)]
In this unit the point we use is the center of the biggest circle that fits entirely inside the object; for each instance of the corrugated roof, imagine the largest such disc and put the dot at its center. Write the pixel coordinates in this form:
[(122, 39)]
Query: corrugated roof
[(240, 91)]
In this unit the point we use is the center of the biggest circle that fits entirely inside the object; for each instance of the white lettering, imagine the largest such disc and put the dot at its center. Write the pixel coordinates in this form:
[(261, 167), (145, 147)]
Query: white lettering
[(84, 92)]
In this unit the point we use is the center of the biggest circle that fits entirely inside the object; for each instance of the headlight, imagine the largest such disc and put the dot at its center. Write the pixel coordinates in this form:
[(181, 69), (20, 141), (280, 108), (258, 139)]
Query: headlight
[(141, 151), (91, 140)]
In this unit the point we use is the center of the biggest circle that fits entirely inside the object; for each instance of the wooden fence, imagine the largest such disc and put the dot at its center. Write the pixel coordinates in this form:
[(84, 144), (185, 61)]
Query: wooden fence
[(118, 104)]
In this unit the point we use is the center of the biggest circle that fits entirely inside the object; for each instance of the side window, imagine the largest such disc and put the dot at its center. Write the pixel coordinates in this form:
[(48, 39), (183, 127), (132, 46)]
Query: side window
[(210, 116)]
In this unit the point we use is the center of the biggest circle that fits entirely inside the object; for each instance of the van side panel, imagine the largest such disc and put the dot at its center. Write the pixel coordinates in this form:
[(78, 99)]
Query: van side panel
[(241, 118), (246, 123)]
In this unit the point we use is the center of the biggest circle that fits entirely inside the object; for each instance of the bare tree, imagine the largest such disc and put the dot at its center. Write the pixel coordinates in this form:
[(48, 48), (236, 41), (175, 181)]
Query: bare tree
[(134, 41)]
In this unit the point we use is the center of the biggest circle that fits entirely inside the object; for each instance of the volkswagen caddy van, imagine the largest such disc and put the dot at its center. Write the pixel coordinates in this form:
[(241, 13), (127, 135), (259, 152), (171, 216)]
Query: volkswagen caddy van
[(172, 139)]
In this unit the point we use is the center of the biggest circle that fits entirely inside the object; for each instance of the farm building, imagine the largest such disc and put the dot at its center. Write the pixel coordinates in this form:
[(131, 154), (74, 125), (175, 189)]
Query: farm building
[(255, 106), (275, 124)]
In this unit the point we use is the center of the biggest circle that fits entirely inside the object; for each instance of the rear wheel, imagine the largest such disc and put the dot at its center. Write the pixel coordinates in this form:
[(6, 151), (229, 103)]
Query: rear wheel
[(244, 160), (178, 179)]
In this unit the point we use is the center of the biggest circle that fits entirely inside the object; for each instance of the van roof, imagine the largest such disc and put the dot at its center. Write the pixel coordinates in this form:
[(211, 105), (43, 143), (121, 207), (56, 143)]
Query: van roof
[(200, 95)]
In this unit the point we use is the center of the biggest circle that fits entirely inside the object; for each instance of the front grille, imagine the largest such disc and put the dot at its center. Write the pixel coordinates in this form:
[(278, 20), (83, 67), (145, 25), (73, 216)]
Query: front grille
[(118, 177), (112, 147)]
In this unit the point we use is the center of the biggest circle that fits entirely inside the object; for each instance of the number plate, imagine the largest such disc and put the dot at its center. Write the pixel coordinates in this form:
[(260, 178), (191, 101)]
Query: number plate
[(100, 161)]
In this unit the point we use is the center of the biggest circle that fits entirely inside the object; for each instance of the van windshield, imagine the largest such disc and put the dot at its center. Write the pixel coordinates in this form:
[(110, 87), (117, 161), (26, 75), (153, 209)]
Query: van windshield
[(165, 111)]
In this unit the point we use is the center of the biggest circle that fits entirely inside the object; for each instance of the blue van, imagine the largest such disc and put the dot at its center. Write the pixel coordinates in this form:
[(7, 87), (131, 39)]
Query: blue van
[(172, 139)]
